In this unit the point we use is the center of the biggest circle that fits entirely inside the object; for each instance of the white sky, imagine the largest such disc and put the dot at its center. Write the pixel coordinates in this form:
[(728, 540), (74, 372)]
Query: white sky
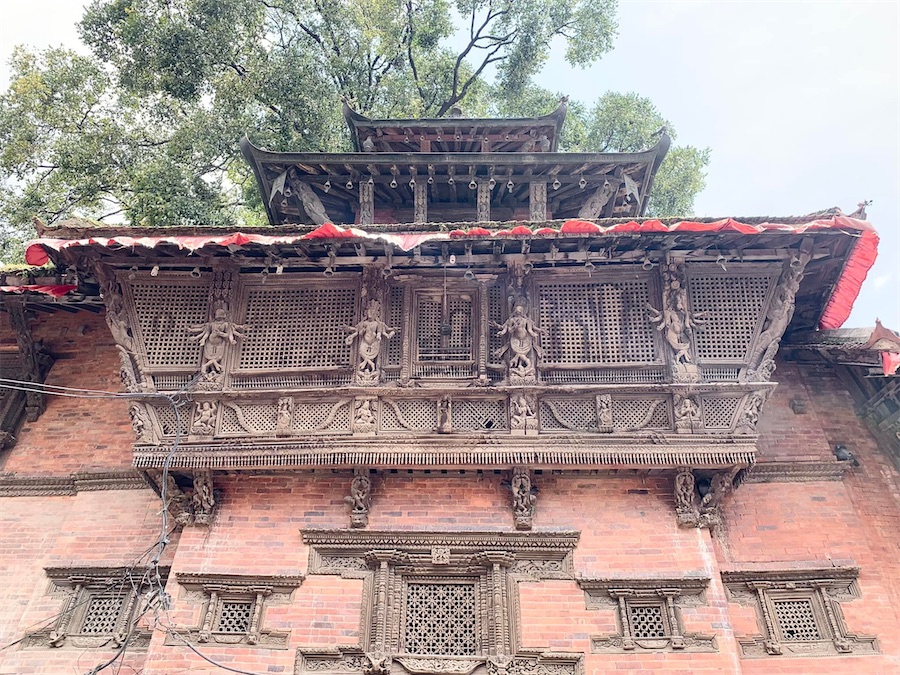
[(799, 101)]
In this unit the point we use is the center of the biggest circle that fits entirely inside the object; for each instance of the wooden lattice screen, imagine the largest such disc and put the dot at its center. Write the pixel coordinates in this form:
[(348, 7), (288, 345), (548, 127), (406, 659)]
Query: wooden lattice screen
[(597, 323), (297, 328), (165, 311), (730, 308)]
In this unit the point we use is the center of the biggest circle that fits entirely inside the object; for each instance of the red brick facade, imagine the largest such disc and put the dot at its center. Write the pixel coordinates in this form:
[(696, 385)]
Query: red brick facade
[(626, 522)]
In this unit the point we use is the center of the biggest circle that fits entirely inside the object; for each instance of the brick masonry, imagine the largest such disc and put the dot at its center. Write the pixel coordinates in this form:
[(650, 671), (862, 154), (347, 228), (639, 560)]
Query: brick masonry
[(627, 525)]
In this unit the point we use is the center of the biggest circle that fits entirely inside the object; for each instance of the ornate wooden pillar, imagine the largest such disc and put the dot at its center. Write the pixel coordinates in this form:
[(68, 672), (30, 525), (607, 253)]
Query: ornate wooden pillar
[(537, 200), (484, 202), (420, 202), (366, 202)]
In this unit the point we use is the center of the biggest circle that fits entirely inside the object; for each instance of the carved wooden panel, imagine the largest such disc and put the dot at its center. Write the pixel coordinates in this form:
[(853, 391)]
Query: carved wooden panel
[(597, 322), (297, 328), (729, 308), (165, 311)]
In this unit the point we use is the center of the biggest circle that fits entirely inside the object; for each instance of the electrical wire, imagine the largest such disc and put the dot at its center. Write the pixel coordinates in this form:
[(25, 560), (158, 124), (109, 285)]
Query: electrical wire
[(152, 576)]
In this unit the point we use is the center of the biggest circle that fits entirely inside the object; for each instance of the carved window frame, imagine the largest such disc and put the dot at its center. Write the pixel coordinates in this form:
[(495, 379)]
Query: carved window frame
[(80, 587), (388, 562), (608, 275), (823, 588), (213, 591), (669, 595), (454, 288)]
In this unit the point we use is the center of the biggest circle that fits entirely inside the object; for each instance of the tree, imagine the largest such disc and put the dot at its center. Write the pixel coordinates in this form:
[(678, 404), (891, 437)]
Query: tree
[(146, 128)]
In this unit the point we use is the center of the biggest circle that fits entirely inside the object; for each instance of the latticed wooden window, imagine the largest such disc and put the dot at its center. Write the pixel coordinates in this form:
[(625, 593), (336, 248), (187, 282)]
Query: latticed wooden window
[(648, 621), (100, 606), (164, 314), (234, 616), (103, 613), (796, 620), (297, 328), (597, 323), (730, 307), (799, 612), (441, 619)]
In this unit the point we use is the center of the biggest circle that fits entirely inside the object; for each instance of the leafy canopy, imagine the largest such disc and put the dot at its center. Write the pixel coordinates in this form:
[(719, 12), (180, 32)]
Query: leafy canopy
[(146, 128)]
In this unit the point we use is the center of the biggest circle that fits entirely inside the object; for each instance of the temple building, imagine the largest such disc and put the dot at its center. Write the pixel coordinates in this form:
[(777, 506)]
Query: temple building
[(462, 408)]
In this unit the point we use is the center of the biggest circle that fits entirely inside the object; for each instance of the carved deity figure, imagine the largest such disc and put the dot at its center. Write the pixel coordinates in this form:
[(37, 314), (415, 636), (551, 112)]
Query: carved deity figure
[(719, 486), (364, 417), (520, 348), (604, 412), (140, 422), (778, 316), (203, 500), (205, 418), (312, 204), (369, 333), (445, 415), (684, 498), (687, 414), (284, 415), (214, 337), (522, 412), (676, 323), (593, 207), (360, 498), (750, 415), (524, 499)]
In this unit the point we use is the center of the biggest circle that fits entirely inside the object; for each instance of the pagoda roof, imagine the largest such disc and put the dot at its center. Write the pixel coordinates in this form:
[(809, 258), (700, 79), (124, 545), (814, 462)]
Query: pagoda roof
[(335, 177), (456, 134)]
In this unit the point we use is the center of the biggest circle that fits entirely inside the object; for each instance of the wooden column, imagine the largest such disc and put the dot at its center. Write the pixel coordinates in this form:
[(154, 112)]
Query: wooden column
[(537, 201), (484, 202), (366, 203), (420, 199)]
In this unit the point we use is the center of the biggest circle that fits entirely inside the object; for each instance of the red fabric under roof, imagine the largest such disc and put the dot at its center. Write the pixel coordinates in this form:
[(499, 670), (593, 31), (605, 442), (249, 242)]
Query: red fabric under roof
[(836, 312)]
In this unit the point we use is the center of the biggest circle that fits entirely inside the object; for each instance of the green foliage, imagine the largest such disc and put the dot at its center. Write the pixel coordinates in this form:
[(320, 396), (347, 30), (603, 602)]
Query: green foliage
[(146, 129)]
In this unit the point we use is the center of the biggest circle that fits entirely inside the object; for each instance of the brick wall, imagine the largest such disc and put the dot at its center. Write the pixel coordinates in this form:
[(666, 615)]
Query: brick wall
[(627, 527)]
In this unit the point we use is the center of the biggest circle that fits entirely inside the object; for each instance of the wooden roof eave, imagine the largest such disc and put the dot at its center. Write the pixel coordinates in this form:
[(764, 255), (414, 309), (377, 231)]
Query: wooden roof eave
[(248, 150), (355, 121)]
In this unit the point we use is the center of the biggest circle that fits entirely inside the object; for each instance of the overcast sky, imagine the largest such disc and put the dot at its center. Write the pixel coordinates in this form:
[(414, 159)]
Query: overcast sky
[(799, 102)]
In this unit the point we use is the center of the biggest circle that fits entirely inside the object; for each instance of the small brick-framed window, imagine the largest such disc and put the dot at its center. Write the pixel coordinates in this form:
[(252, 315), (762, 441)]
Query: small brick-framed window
[(233, 608), (648, 613), (799, 611), (100, 608)]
